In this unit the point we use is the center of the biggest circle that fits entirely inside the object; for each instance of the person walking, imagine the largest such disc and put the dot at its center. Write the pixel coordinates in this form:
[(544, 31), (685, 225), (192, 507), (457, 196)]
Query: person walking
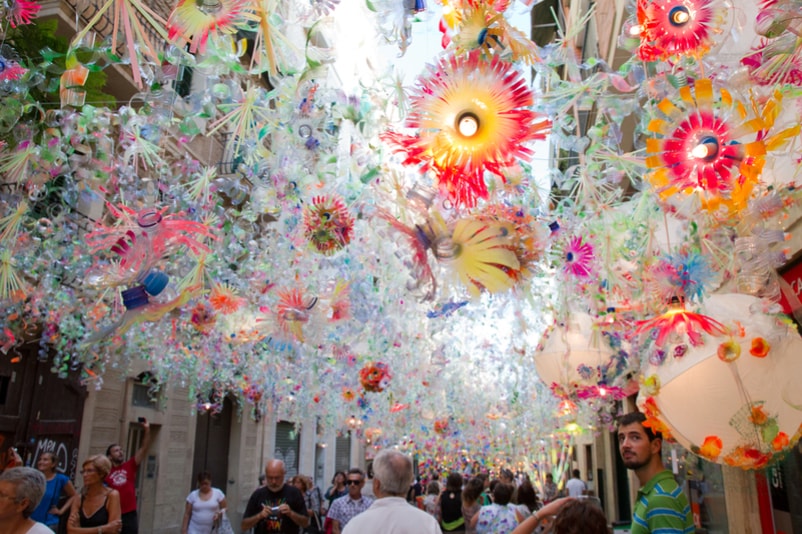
[(204, 507), (661, 506), (450, 505)]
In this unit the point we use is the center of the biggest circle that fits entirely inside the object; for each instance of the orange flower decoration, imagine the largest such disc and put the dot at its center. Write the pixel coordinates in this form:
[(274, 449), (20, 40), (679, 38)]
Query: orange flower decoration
[(780, 442), (348, 394), (224, 299), (758, 415), (760, 348), (653, 421), (711, 448)]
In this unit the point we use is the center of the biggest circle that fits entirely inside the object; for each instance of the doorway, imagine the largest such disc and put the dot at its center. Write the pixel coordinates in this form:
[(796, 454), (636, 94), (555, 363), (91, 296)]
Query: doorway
[(212, 434)]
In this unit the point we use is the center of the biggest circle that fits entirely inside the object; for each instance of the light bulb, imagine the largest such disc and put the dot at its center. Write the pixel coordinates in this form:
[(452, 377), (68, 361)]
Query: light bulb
[(467, 124), (679, 16)]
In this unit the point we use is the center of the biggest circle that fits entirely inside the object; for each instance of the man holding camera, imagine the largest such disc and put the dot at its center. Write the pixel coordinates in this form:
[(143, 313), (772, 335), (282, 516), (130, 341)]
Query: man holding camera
[(275, 507)]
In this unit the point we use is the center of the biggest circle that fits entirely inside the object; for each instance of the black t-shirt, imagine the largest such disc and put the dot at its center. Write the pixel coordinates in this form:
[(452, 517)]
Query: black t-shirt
[(277, 523)]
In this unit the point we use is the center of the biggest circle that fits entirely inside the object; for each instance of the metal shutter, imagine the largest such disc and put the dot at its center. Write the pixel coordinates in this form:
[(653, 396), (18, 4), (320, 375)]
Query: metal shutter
[(288, 446), (342, 453)]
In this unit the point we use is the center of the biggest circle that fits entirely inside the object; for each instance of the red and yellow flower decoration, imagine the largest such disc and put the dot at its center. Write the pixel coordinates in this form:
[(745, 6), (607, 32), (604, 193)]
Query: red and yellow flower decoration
[(327, 224), (471, 115), (711, 145), (678, 320), (670, 28)]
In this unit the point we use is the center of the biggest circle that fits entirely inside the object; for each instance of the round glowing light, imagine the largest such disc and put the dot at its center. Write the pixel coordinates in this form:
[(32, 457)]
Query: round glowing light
[(679, 15), (707, 149), (635, 30), (467, 124)]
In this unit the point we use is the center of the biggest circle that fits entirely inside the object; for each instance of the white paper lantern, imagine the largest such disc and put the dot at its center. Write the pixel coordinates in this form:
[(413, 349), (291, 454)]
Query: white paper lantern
[(732, 399)]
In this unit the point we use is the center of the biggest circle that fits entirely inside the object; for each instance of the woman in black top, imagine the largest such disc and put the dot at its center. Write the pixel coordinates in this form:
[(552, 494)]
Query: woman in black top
[(98, 509), (451, 519)]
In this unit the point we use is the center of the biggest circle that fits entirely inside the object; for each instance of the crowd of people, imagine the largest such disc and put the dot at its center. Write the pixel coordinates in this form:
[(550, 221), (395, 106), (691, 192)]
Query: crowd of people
[(392, 501)]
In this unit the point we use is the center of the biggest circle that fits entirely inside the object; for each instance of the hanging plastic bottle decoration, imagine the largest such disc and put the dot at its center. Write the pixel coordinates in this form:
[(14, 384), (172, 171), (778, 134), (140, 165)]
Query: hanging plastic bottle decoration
[(139, 240)]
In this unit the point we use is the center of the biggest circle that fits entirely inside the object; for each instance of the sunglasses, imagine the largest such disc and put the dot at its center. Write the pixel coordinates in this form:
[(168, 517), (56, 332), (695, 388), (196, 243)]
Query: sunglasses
[(353, 482)]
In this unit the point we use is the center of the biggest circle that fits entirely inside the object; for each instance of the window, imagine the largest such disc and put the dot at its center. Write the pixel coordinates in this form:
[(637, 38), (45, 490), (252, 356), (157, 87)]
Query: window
[(146, 391), (288, 445), (342, 453)]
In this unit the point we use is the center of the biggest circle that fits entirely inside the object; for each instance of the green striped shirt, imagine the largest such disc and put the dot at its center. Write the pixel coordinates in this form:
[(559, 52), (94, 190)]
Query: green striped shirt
[(662, 508)]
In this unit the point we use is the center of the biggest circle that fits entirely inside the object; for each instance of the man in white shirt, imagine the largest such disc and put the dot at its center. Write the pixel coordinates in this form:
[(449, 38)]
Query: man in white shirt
[(576, 486), (390, 513)]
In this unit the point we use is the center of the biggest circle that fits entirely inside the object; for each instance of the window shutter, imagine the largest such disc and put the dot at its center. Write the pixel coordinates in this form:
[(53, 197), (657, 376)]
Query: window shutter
[(288, 445), (342, 453)]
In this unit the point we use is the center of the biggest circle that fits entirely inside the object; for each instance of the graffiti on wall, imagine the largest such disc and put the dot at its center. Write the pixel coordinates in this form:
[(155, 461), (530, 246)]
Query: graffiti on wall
[(66, 455)]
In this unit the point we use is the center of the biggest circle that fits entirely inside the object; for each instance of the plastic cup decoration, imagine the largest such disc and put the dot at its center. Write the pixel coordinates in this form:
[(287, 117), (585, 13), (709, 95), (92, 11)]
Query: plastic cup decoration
[(733, 398)]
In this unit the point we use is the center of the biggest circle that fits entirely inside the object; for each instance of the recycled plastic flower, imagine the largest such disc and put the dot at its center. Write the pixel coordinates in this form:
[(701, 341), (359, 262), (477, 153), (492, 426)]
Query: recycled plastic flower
[(709, 146), (196, 20), (471, 115), (292, 312), (327, 224), (678, 320), (375, 377), (481, 254), (483, 26), (578, 257), (678, 27), (778, 57), (21, 12)]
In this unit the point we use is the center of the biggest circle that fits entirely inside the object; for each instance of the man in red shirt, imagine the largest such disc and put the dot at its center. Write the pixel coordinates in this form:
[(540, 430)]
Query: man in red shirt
[(122, 477)]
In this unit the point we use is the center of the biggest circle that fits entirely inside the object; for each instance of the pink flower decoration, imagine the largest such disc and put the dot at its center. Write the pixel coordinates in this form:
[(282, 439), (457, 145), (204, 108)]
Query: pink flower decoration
[(22, 12), (578, 257)]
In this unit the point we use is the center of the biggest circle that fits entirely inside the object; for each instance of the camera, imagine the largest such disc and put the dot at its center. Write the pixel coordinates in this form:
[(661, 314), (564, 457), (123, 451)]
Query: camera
[(275, 510)]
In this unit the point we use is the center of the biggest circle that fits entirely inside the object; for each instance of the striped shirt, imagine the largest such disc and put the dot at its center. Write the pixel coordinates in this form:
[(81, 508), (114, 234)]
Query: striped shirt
[(662, 508)]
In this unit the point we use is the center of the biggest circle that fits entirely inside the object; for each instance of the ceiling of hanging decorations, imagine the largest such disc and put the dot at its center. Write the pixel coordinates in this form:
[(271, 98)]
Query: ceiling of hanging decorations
[(432, 226)]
